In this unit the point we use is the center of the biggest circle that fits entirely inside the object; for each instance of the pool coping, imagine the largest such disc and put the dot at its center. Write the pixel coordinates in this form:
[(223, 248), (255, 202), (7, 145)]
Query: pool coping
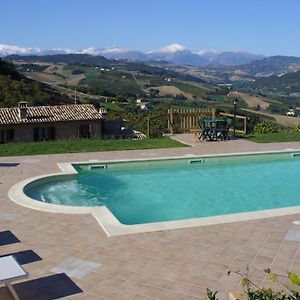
[(113, 227)]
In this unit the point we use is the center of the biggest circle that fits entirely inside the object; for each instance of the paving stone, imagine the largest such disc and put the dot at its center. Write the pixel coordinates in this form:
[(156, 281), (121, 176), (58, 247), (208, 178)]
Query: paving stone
[(75, 267)]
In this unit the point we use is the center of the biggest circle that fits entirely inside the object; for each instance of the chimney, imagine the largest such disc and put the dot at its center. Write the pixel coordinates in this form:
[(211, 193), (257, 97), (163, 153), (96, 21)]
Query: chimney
[(23, 110), (103, 113), (103, 116)]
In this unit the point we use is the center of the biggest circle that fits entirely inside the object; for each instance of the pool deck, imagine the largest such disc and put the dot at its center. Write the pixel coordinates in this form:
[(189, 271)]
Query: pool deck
[(174, 264)]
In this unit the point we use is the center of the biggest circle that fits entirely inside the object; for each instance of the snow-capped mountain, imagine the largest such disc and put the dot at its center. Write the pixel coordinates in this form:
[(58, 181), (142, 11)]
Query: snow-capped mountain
[(179, 54), (120, 53), (173, 48), (209, 54), (174, 53)]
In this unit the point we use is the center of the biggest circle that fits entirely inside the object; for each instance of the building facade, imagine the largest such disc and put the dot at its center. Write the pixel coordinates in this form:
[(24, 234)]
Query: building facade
[(45, 123)]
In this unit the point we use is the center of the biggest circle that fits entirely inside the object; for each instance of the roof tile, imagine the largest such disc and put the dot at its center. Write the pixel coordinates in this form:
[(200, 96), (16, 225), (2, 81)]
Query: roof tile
[(42, 114)]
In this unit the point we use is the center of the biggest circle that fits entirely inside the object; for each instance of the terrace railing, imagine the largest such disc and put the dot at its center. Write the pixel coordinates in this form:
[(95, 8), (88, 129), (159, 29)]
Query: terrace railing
[(183, 120), (239, 128), (186, 120)]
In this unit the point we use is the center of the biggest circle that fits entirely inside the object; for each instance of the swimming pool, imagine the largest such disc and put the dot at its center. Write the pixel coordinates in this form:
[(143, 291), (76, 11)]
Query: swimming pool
[(177, 189)]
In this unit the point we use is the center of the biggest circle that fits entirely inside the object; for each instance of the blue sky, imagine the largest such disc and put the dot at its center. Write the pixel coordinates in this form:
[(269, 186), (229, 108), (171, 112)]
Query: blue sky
[(267, 27)]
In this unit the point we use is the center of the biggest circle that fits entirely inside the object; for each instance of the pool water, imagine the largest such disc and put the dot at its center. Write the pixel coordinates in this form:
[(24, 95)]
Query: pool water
[(165, 191)]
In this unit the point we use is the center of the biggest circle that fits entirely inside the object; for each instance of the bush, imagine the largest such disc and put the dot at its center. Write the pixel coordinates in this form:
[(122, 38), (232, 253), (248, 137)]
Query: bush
[(297, 128), (266, 127), (254, 292), (268, 294)]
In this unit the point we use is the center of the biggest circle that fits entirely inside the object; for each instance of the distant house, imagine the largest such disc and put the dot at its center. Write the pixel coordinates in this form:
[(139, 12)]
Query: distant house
[(43, 123), (146, 105), (291, 112), (143, 105)]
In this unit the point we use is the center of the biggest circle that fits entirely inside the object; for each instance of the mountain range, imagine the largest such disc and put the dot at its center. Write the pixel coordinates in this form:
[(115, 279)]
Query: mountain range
[(174, 53)]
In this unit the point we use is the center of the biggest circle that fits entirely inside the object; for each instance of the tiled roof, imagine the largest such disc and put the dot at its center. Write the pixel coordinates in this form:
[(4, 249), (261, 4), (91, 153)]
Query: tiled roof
[(42, 114)]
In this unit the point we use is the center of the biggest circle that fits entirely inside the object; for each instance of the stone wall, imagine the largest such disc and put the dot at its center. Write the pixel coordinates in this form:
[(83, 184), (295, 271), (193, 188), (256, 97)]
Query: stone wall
[(63, 130)]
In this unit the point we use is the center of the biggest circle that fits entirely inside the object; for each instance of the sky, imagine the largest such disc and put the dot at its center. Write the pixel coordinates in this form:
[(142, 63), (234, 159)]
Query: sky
[(268, 27)]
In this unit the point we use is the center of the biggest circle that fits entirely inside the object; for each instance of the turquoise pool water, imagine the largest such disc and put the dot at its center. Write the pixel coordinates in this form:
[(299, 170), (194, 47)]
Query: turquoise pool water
[(174, 190)]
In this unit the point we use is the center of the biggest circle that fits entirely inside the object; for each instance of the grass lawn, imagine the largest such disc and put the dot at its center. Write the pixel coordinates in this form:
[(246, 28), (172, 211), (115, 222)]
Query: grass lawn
[(282, 136), (77, 146)]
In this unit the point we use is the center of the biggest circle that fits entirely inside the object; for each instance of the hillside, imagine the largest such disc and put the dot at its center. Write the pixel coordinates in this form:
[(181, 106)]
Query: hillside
[(14, 88), (94, 77), (288, 83), (8, 69), (62, 58), (149, 68), (243, 73), (273, 65)]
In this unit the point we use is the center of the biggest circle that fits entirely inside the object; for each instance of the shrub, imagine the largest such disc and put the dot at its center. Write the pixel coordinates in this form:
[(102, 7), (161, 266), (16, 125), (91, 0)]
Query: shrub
[(268, 294), (266, 127), (255, 292)]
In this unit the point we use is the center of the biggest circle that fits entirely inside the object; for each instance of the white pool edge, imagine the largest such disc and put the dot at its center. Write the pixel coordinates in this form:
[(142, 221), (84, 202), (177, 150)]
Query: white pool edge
[(111, 224)]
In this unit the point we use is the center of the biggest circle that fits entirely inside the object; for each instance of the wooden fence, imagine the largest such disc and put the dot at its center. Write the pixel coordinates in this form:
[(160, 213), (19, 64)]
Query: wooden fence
[(244, 118), (185, 120)]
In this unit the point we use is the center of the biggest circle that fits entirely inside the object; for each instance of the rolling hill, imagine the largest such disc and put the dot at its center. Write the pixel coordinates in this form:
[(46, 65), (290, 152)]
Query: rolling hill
[(288, 83), (273, 65), (14, 88)]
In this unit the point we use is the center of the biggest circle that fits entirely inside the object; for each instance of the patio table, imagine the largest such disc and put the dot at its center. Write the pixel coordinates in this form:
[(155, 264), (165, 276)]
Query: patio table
[(213, 129)]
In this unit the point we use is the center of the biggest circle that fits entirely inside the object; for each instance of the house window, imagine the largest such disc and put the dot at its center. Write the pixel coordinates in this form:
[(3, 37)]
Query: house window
[(36, 136), (7, 136), (10, 135), (51, 133), (2, 137), (43, 134), (85, 131)]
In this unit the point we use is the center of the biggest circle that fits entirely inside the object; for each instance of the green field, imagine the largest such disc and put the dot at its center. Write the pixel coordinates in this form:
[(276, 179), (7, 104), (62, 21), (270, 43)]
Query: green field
[(217, 98), (157, 81), (109, 83), (189, 88), (91, 74), (112, 106), (282, 136), (78, 146)]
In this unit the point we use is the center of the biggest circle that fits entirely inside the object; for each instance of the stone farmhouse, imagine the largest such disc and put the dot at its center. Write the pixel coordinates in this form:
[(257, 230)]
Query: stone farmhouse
[(45, 123)]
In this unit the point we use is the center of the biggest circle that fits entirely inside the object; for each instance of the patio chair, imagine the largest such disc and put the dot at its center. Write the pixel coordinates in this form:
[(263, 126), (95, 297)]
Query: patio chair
[(225, 129), (10, 271), (205, 134)]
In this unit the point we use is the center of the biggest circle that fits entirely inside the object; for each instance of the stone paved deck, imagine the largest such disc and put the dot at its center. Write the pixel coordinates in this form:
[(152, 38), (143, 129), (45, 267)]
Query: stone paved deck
[(175, 264)]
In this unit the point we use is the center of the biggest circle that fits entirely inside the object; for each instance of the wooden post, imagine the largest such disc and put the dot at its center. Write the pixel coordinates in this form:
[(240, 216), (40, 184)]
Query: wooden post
[(171, 120), (213, 113), (148, 127), (245, 125)]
